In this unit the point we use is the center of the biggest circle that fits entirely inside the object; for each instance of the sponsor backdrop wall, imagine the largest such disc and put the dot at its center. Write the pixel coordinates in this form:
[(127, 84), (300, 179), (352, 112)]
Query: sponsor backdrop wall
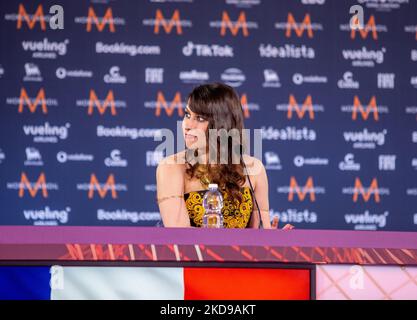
[(81, 106)]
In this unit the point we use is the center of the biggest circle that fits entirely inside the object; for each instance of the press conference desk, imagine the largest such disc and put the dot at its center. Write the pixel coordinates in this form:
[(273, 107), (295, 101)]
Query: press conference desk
[(294, 264)]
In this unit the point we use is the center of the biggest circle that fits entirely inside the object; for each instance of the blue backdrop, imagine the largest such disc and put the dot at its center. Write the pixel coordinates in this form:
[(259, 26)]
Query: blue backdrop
[(80, 106)]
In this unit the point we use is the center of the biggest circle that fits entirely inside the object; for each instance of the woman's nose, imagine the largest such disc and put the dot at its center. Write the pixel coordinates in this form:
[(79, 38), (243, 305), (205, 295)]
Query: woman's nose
[(190, 123)]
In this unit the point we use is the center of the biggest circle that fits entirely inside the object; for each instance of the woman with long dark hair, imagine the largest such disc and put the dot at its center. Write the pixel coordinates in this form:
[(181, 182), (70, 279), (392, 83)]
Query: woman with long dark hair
[(183, 178)]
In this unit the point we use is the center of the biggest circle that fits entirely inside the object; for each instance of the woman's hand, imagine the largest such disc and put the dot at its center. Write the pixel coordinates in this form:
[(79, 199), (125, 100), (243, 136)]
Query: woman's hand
[(275, 222)]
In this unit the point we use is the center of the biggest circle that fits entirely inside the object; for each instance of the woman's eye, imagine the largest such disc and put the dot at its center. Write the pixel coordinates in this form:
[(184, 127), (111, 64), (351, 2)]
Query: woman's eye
[(201, 119), (187, 115)]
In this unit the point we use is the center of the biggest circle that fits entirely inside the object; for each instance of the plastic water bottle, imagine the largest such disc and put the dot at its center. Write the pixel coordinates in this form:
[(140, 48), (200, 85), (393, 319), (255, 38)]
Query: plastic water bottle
[(213, 204)]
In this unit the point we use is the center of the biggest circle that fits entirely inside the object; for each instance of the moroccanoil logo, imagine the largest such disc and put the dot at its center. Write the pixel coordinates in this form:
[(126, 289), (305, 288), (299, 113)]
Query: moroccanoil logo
[(101, 22), (32, 188), (301, 192), (306, 108), (299, 27), (309, 189), (167, 25), (366, 193), (169, 106), (372, 109), (101, 105), (37, 16), (103, 189), (32, 102), (40, 99), (234, 26), (369, 27)]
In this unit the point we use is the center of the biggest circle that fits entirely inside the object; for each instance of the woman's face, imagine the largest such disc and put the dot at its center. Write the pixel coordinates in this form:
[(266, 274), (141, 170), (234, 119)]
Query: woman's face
[(194, 129)]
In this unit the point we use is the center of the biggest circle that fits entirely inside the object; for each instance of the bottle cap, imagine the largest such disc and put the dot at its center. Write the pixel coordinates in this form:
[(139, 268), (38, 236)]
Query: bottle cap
[(213, 186)]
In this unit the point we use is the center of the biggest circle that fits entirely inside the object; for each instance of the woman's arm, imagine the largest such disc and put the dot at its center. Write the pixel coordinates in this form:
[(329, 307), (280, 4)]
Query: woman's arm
[(261, 194), (170, 194)]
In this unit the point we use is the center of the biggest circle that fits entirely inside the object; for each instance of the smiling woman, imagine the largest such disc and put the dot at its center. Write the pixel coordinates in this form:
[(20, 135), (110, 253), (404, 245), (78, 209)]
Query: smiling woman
[(183, 178)]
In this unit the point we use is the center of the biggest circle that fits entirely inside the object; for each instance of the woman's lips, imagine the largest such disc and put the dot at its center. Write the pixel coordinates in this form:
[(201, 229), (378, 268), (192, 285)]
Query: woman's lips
[(190, 137)]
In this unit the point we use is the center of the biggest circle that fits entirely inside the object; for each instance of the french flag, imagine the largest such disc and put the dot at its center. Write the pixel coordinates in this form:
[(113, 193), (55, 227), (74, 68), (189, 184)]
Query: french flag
[(152, 283)]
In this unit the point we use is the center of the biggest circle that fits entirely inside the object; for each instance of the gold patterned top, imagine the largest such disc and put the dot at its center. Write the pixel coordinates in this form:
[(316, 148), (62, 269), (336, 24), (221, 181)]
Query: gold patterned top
[(235, 215)]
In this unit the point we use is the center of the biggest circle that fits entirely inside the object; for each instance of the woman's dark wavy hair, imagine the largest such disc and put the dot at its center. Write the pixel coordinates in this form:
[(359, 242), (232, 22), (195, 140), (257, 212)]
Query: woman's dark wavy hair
[(220, 105)]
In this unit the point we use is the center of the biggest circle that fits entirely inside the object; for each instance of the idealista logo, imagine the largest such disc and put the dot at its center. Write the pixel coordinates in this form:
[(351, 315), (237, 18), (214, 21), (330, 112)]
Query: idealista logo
[(371, 109), (167, 25), (31, 103), (207, 50), (367, 221), (370, 29), (306, 108), (161, 103), (47, 133), (294, 216), (109, 187), (287, 51), (299, 27), (226, 24), (101, 105), (307, 191), (32, 188), (365, 139), (45, 49), (366, 193), (47, 216), (347, 82), (100, 22), (288, 134)]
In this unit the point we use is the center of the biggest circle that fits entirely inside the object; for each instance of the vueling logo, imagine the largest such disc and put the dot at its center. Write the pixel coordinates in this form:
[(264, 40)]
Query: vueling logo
[(26, 184), (102, 22), (369, 27), (25, 100), (372, 107), (102, 190), (234, 27), (307, 106), (359, 189), (95, 102), (301, 192), (299, 28), (176, 103), (37, 16), (167, 25)]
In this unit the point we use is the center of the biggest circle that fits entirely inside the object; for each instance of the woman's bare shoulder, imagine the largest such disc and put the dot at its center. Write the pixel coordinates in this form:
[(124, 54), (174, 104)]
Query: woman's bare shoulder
[(173, 163), (254, 165)]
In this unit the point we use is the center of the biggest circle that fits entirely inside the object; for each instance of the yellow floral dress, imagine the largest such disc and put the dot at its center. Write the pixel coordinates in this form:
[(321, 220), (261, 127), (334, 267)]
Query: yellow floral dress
[(235, 215)]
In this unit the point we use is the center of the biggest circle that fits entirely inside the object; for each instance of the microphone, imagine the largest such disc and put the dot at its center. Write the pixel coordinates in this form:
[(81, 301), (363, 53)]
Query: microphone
[(239, 147)]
